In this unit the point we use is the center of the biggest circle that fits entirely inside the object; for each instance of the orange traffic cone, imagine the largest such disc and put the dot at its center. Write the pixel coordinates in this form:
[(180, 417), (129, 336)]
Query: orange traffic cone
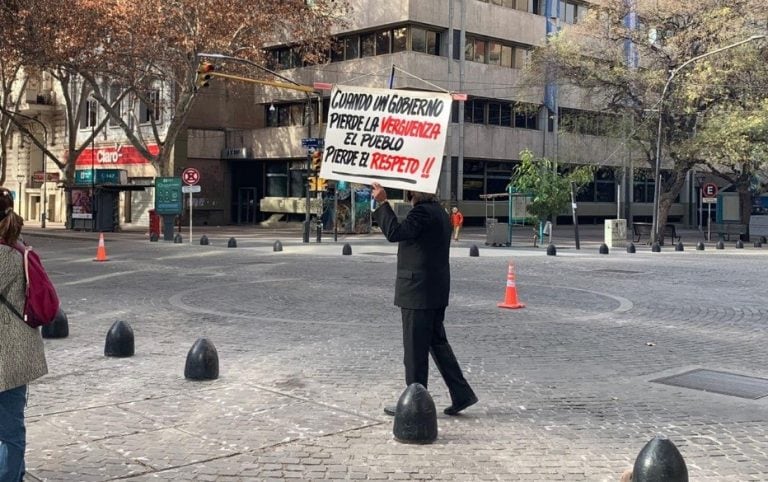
[(510, 297), (101, 252)]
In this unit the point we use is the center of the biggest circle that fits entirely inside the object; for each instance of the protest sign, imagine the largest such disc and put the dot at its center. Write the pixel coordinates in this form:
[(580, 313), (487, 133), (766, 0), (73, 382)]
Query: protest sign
[(393, 137)]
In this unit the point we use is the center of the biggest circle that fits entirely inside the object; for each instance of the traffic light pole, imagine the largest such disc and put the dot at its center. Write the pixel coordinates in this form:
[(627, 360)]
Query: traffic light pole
[(292, 85), (307, 227)]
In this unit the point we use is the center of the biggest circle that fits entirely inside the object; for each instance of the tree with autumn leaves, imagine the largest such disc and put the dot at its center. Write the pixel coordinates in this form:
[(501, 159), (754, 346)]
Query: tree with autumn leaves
[(91, 46), (624, 52)]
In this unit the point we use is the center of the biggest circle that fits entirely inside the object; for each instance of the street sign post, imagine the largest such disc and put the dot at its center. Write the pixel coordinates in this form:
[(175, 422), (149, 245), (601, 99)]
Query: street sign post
[(708, 196), (168, 202), (709, 190), (190, 189), (313, 143), (190, 176)]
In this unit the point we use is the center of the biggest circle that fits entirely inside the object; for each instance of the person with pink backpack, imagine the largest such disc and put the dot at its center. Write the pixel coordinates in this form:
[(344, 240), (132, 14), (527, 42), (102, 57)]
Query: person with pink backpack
[(22, 357)]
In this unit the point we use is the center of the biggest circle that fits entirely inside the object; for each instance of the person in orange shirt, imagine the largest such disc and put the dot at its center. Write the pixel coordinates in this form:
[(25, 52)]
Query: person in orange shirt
[(457, 220)]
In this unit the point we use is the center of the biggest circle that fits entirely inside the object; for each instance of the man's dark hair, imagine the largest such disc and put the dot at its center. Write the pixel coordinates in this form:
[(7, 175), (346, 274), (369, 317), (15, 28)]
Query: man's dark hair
[(423, 197)]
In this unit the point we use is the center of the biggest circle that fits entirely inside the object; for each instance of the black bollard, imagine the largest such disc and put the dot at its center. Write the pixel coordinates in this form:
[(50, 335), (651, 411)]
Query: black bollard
[(739, 244), (603, 248), (700, 246), (153, 237), (552, 250), (319, 236), (659, 461), (415, 416), (679, 246), (177, 239), (346, 250), (631, 248), (232, 243), (656, 248), (278, 246), (59, 328), (473, 251), (204, 240), (119, 340), (720, 245), (202, 361)]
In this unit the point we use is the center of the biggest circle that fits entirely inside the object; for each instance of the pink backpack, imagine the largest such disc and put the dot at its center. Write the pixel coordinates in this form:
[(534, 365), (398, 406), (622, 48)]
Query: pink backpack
[(42, 301)]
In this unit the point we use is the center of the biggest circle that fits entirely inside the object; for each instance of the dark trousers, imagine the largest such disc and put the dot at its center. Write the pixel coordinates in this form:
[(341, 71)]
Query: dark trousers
[(424, 333)]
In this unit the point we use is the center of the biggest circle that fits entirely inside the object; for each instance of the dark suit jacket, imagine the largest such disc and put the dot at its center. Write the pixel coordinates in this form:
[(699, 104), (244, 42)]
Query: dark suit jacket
[(424, 237)]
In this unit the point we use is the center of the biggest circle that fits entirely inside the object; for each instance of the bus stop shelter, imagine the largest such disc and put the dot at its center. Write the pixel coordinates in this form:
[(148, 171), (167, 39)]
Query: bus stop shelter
[(511, 203)]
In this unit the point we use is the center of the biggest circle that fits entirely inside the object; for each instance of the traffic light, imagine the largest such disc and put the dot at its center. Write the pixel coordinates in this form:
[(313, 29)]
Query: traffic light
[(204, 74), (317, 159)]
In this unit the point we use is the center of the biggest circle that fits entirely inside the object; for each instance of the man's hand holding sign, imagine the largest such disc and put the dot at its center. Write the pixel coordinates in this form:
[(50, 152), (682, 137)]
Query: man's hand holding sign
[(392, 137)]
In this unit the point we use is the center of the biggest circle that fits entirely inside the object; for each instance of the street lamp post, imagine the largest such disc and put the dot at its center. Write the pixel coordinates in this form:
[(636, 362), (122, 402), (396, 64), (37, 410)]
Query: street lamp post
[(306, 230), (20, 178), (93, 175), (657, 174)]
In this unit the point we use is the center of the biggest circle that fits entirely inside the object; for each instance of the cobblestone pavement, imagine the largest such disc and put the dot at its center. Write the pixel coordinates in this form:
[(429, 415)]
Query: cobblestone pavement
[(310, 351)]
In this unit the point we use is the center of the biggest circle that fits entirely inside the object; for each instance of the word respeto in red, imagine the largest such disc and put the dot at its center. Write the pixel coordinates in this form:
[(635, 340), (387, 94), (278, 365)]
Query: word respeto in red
[(401, 164)]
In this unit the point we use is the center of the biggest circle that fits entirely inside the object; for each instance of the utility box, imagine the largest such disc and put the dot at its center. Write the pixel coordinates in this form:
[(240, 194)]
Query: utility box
[(616, 233)]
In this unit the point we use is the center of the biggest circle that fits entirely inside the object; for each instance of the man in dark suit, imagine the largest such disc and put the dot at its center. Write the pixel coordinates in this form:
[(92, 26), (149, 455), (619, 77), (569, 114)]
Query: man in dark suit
[(421, 291)]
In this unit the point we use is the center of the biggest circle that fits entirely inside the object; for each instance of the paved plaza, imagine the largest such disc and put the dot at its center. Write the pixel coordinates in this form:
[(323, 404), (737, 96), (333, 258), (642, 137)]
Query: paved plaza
[(309, 347)]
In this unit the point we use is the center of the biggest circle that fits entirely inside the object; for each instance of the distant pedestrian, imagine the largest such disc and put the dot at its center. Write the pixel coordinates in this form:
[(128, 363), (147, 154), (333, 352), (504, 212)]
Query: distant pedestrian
[(457, 221), (421, 291), (22, 358)]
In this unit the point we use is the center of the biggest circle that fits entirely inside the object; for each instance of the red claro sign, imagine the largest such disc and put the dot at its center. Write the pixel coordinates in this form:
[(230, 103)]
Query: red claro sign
[(190, 176)]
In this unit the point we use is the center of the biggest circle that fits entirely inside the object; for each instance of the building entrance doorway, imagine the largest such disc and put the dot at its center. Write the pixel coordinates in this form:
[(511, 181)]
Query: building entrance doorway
[(247, 205)]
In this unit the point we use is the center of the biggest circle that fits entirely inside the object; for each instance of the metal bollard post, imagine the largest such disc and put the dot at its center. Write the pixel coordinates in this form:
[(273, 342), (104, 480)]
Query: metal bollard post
[(319, 232)]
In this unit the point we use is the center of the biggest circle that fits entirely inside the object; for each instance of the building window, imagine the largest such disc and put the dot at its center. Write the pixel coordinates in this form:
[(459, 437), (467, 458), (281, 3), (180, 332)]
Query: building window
[(149, 107), (507, 56), (277, 179), (418, 39), (433, 43), (643, 188), (367, 45), (399, 39), (497, 176), (114, 94), (601, 189), (474, 111), (491, 52), (457, 45), (89, 115), (473, 184), (351, 48), (337, 51), (479, 51), (383, 42), (500, 114), (494, 53), (485, 178), (572, 12), (526, 116)]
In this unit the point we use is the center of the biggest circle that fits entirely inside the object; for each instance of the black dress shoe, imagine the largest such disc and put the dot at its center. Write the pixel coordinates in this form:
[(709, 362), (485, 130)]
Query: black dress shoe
[(455, 409), (390, 410)]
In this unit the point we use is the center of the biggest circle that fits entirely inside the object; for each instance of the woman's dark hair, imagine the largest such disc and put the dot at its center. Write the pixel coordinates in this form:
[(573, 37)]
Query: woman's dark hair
[(10, 222)]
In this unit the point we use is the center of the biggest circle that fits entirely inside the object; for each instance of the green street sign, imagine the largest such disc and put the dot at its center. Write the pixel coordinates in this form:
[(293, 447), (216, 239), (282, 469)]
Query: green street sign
[(84, 177), (168, 197)]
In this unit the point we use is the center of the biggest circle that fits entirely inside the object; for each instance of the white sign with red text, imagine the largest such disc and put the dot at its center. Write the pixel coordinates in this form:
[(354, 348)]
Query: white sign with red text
[(393, 137)]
